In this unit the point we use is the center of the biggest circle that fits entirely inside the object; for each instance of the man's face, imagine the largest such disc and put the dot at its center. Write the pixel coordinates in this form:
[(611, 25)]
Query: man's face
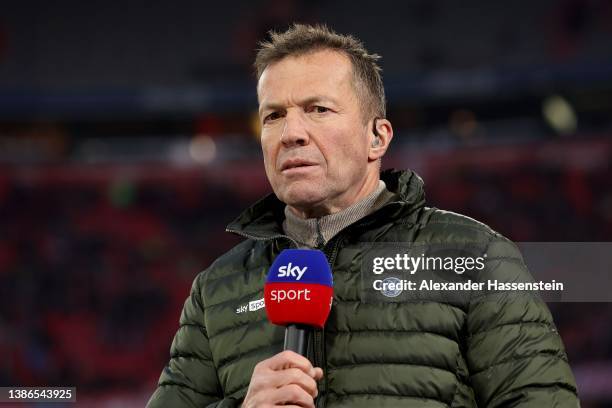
[(314, 139)]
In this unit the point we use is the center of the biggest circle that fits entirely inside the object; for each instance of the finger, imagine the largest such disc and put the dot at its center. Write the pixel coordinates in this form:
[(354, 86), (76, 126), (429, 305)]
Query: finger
[(294, 406), (318, 373), (298, 377), (289, 359), (292, 394), (290, 406)]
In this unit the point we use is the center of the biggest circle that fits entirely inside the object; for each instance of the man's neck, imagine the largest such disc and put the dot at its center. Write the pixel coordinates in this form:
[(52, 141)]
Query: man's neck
[(315, 232), (338, 204)]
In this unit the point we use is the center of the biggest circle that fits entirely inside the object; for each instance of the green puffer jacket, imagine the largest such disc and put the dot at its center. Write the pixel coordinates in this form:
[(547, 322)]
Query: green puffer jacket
[(491, 351)]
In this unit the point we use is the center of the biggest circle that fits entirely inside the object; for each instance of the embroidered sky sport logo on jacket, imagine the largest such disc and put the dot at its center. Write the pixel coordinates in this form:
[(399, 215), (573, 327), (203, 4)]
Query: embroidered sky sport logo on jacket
[(252, 306)]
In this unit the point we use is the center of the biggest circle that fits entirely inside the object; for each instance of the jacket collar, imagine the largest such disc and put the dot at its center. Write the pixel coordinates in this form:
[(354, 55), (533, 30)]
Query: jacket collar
[(264, 219)]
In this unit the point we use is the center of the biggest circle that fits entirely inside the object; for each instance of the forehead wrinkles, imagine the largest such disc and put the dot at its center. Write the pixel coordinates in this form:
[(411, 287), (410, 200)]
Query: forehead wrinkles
[(308, 75)]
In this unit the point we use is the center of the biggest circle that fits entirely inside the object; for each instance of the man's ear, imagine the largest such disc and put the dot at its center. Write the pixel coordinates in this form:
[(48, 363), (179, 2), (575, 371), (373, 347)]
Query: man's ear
[(381, 134)]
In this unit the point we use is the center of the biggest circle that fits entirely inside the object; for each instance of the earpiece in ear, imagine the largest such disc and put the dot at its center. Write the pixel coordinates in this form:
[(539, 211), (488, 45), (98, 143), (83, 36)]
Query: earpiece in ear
[(376, 142)]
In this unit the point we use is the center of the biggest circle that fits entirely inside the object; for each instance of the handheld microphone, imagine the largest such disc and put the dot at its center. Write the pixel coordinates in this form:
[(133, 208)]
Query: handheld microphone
[(298, 294)]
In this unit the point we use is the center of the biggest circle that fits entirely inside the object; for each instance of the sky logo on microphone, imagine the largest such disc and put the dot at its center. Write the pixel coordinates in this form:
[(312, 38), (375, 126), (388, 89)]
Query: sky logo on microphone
[(292, 271), (299, 288)]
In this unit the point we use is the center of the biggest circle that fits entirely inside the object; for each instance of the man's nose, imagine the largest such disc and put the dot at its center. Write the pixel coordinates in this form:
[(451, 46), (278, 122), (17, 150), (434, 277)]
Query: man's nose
[(295, 132)]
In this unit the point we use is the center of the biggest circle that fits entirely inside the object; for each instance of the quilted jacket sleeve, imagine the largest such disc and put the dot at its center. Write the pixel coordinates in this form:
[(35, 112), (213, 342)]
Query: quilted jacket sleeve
[(515, 355), (190, 378)]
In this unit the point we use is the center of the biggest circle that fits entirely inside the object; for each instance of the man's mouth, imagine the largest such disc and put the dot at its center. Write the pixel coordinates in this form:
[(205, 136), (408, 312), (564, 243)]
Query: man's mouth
[(296, 164)]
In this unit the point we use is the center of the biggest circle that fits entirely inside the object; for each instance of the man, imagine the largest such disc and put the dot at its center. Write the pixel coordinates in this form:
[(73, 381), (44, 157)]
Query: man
[(324, 132)]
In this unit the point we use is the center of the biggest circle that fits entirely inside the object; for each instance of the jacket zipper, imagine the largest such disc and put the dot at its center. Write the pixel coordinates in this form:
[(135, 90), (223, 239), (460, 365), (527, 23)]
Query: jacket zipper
[(318, 346), (319, 336)]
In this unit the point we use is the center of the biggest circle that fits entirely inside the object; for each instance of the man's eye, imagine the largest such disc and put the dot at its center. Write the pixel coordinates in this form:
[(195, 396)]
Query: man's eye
[(319, 109), (272, 116)]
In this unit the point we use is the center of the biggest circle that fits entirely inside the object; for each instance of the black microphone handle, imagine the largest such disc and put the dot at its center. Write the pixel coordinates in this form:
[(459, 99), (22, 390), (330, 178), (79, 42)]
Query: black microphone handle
[(296, 338)]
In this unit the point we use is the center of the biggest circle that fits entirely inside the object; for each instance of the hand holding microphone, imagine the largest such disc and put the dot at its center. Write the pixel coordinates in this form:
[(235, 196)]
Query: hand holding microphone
[(298, 295), (284, 379)]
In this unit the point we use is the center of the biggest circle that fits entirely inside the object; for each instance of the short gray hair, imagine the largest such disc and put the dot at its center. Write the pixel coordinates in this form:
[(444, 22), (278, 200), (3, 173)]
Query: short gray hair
[(302, 39)]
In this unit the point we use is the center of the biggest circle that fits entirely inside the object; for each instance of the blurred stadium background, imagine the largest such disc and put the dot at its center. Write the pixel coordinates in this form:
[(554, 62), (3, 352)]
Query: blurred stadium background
[(128, 140)]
